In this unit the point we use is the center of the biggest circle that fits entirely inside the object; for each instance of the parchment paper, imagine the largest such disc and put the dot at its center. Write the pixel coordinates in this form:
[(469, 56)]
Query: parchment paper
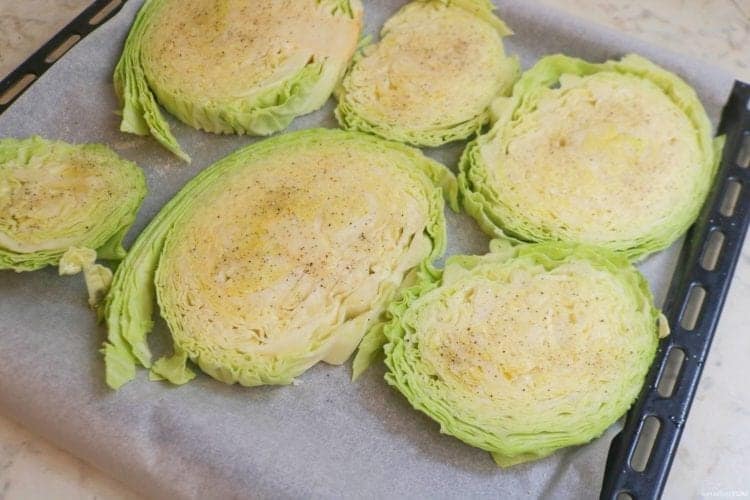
[(326, 437)]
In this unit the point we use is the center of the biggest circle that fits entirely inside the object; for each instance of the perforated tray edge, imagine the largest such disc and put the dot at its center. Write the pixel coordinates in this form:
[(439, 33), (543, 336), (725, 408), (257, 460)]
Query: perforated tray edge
[(20, 79)]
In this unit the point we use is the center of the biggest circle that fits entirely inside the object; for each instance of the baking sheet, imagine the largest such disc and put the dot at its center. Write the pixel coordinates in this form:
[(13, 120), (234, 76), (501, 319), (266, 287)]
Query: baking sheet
[(325, 437)]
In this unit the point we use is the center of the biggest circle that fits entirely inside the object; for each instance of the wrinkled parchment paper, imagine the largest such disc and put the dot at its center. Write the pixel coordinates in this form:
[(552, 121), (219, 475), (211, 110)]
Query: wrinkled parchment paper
[(326, 437)]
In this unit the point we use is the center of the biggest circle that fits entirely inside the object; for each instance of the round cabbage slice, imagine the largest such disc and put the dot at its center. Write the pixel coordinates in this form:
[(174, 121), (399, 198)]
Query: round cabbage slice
[(525, 350), (232, 66), (617, 154), (433, 75), (281, 255), (55, 196)]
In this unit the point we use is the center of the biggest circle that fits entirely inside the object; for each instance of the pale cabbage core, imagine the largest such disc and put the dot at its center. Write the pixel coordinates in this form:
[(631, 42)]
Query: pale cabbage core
[(435, 65), (603, 157), (47, 204), (529, 348), (276, 262), (227, 49)]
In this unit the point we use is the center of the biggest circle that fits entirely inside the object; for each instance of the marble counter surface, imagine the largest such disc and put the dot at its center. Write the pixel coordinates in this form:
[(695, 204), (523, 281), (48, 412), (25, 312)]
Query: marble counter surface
[(714, 456)]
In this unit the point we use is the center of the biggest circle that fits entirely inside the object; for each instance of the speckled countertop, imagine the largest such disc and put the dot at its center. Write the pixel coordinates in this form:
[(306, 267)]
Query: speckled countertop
[(714, 457)]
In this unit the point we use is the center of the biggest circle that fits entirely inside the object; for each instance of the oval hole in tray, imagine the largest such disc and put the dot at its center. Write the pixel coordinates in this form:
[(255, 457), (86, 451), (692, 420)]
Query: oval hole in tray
[(16, 88), (670, 372), (624, 495), (732, 190), (692, 307), (104, 12), (61, 49), (712, 250), (743, 158), (646, 439)]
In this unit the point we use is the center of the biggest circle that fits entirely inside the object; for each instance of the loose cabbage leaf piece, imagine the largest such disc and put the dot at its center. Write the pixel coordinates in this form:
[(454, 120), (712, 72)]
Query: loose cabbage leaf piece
[(526, 350), (617, 154), (433, 75), (232, 66), (98, 278), (280, 255), (54, 196)]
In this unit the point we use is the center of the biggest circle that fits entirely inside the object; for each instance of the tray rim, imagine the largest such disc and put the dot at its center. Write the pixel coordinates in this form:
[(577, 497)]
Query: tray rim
[(93, 16)]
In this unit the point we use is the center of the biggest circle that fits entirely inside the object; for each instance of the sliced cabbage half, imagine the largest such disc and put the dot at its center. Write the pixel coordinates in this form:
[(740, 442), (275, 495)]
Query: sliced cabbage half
[(618, 154), (54, 196), (525, 350), (232, 66), (433, 75), (280, 255)]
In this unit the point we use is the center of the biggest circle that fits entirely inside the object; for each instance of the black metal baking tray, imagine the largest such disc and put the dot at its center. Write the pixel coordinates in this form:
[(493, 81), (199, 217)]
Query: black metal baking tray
[(19, 80), (642, 453)]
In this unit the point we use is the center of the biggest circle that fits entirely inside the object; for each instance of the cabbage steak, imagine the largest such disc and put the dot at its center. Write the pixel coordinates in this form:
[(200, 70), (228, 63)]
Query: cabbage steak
[(56, 196), (618, 154), (281, 255), (433, 75), (525, 350), (232, 66)]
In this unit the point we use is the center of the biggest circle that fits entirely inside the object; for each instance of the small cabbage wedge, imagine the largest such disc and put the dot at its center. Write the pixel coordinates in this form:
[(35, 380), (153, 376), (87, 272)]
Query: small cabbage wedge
[(618, 155), (54, 196), (525, 350), (279, 256), (433, 75), (232, 66)]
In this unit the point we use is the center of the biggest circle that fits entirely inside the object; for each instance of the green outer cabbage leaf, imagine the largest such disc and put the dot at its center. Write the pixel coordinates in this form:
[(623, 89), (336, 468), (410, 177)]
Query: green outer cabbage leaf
[(403, 360), (350, 117), (129, 304), (478, 199), (267, 112), (482, 9), (115, 218), (140, 112)]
